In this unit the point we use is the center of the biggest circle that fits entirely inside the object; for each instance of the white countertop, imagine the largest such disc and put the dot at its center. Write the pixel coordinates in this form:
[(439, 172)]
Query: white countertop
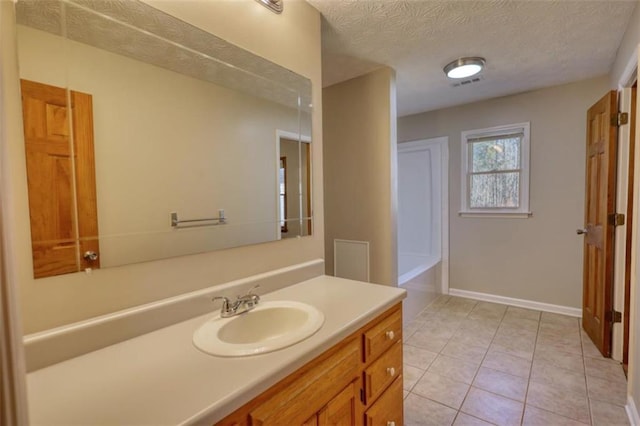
[(161, 378)]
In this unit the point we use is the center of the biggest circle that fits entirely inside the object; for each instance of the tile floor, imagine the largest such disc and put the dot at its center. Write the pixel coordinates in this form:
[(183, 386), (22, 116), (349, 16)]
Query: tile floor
[(478, 363), (421, 291)]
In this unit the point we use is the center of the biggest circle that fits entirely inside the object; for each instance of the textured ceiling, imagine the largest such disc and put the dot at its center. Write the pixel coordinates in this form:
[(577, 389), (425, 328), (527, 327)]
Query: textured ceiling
[(527, 44)]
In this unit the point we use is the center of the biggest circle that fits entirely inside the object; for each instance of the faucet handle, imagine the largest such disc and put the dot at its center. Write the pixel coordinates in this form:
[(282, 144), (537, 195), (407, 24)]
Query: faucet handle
[(225, 301), (250, 292), (251, 298)]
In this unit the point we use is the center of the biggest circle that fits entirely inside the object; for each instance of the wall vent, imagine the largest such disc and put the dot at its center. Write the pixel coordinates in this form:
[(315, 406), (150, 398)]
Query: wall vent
[(467, 81)]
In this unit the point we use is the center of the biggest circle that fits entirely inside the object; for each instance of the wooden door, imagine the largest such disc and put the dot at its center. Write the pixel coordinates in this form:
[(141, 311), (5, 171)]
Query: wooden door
[(60, 178), (597, 300)]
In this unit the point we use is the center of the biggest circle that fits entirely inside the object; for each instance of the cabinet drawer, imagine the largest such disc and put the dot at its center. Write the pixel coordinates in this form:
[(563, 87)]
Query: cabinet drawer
[(311, 390), (381, 336), (382, 372), (387, 411)]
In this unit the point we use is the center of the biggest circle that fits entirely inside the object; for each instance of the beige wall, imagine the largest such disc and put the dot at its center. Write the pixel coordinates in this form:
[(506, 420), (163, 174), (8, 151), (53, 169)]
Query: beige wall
[(360, 169), (293, 42), (628, 47), (539, 258)]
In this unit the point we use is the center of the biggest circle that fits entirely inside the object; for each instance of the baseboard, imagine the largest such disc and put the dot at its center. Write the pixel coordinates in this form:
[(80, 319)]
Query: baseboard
[(632, 411), (521, 303)]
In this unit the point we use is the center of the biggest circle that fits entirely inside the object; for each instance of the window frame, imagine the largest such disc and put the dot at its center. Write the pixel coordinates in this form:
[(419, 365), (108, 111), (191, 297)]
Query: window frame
[(523, 210)]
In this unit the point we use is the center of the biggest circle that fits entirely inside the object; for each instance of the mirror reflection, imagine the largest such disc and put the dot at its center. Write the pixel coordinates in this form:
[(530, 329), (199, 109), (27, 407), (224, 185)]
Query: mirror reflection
[(294, 185), (147, 138)]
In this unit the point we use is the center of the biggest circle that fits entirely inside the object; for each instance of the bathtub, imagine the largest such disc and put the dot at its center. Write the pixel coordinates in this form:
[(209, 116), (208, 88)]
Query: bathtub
[(410, 265)]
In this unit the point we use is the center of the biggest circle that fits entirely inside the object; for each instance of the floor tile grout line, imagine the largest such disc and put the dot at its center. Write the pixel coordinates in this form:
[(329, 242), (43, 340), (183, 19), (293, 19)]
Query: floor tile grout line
[(586, 382), (426, 369), (533, 357), (474, 376), (439, 353), (530, 369), (483, 357), (481, 361)]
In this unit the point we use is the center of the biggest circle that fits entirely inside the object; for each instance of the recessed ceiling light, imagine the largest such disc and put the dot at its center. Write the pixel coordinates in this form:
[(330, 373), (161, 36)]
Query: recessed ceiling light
[(273, 5), (464, 67)]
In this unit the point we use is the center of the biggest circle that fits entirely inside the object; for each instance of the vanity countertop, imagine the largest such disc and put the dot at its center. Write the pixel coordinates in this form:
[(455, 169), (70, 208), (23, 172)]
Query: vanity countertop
[(161, 378)]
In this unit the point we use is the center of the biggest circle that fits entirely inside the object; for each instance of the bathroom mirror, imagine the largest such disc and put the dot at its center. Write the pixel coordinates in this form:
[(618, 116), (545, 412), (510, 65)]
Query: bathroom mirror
[(148, 138)]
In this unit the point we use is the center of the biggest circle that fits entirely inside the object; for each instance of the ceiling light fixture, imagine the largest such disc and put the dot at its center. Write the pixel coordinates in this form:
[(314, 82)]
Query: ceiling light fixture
[(273, 5), (464, 67)]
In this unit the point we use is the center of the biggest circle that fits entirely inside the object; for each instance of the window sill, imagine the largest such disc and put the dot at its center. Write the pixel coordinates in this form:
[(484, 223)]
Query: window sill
[(510, 215)]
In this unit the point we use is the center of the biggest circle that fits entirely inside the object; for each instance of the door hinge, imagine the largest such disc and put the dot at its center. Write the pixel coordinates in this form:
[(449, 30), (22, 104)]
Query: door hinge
[(616, 219), (619, 119), (614, 316)]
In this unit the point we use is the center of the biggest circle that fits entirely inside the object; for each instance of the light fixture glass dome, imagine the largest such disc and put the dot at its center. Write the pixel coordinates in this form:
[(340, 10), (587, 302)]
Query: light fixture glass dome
[(464, 67)]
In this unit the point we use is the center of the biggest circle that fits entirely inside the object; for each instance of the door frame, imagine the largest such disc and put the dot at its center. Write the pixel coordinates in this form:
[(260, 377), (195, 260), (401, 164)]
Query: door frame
[(13, 386), (624, 188), (443, 143), (284, 134), (623, 249)]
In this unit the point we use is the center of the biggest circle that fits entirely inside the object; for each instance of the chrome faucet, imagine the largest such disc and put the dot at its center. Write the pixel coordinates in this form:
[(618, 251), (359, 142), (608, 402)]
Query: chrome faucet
[(240, 305)]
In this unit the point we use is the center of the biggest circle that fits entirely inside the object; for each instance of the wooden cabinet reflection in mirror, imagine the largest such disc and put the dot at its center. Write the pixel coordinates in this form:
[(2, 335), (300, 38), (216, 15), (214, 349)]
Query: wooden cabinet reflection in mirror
[(61, 178)]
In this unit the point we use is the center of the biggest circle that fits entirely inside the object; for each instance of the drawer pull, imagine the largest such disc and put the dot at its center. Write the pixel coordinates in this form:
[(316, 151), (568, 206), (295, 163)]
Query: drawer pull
[(390, 334), (391, 423), (391, 371)]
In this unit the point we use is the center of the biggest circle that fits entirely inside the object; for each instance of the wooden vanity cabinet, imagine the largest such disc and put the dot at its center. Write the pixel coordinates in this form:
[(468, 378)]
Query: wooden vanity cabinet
[(382, 371), (356, 382)]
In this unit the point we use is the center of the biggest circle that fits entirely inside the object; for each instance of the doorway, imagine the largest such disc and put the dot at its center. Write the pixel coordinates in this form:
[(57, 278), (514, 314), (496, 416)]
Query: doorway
[(293, 156), (609, 221), (623, 245), (627, 100)]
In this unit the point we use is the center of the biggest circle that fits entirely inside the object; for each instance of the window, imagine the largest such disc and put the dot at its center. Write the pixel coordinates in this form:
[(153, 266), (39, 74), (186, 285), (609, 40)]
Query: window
[(495, 171)]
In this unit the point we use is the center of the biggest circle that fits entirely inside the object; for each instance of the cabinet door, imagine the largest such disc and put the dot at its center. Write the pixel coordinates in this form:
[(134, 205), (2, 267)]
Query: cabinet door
[(387, 410), (341, 410), (297, 401)]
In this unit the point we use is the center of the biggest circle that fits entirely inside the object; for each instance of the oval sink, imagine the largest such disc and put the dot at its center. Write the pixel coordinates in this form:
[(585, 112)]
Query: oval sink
[(268, 327)]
